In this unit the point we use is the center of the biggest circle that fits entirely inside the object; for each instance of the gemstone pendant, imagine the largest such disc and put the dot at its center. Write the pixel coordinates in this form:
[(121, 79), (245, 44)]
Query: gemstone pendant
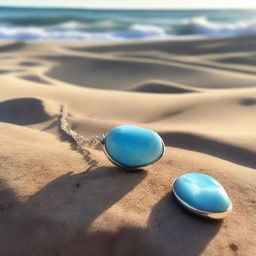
[(133, 147), (203, 195)]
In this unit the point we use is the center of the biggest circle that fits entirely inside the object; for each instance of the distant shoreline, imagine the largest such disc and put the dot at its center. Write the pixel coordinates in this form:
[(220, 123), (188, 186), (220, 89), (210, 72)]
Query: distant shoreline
[(47, 24)]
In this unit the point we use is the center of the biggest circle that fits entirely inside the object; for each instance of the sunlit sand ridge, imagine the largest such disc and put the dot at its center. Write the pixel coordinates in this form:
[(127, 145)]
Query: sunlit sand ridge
[(199, 95)]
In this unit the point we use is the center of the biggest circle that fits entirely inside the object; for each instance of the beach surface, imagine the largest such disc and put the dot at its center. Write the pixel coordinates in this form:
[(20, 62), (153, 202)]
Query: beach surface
[(199, 95)]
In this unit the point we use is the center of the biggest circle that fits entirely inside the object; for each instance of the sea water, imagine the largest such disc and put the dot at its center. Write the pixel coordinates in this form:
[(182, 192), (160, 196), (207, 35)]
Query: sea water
[(113, 25)]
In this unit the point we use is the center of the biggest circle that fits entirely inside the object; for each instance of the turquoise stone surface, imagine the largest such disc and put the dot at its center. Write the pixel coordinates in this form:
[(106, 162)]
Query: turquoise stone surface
[(132, 146), (202, 192)]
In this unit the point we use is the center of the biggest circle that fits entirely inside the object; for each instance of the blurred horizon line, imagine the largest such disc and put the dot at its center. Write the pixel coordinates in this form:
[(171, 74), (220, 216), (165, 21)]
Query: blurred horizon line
[(126, 9)]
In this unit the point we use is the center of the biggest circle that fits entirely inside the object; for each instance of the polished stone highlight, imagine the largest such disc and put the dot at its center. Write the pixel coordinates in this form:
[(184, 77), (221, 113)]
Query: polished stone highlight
[(132, 146), (202, 194)]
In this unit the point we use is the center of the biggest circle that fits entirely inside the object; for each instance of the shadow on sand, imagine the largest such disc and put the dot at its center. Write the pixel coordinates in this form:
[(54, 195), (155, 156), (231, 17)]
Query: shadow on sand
[(57, 220)]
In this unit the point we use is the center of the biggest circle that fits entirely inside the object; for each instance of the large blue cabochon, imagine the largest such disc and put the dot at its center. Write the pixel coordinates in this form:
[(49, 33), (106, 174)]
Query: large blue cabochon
[(133, 146), (202, 192)]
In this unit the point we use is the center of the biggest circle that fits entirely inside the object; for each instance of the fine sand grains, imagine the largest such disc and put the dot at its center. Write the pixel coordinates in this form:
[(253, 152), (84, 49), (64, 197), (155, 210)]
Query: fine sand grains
[(199, 95)]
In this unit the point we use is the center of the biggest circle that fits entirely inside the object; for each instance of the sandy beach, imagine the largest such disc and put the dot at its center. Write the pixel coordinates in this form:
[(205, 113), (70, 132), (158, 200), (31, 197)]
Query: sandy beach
[(199, 95)]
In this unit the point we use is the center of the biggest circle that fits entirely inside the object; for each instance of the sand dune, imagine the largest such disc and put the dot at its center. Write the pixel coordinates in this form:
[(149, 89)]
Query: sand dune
[(129, 71), (12, 46), (35, 78), (199, 98), (185, 47), (247, 60), (163, 87)]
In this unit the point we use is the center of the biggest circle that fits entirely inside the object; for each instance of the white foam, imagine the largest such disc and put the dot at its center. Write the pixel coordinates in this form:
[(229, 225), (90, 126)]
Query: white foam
[(73, 30), (202, 26), (138, 31), (51, 33)]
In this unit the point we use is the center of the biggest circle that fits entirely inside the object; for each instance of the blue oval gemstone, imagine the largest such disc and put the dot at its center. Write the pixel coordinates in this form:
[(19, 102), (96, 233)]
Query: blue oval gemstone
[(132, 146), (202, 192)]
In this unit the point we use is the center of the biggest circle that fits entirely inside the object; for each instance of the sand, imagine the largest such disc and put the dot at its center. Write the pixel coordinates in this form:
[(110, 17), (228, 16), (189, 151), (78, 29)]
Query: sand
[(199, 95)]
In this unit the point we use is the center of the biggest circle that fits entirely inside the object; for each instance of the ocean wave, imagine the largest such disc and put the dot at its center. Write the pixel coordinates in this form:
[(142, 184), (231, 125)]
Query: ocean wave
[(112, 29), (138, 31), (96, 26), (35, 33), (65, 22), (202, 26), (41, 20)]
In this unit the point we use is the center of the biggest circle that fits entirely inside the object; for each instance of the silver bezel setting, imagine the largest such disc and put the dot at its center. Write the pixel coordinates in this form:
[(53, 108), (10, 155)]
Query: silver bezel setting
[(129, 167), (211, 215)]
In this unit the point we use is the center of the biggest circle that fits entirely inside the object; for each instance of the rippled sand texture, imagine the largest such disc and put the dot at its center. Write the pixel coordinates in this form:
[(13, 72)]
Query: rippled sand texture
[(199, 95)]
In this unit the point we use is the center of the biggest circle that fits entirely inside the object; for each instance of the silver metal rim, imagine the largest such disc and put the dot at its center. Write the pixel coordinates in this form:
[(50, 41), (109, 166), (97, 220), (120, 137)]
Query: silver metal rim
[(129, 167), (211, 215)]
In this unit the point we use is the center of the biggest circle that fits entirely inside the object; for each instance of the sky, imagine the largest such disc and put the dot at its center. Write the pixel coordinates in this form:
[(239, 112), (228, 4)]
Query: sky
[(135, 4)]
